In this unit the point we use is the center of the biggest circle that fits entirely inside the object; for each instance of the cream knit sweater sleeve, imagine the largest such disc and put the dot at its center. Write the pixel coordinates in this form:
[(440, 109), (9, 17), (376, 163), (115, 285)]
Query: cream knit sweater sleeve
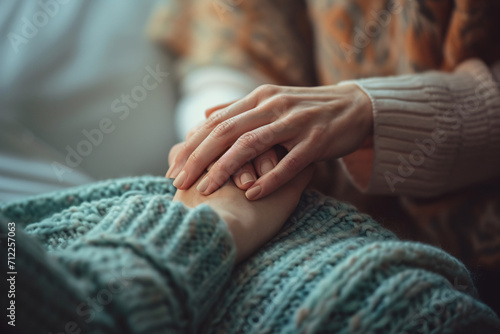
[(433, 132)]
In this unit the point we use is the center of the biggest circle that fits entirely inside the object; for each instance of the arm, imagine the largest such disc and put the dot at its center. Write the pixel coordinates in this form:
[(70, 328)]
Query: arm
[(458, 111), (132, 263), (433, 132)]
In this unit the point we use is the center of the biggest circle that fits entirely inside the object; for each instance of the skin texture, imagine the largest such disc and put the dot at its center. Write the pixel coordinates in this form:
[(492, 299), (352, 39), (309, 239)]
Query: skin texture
[(312, 123), (251, 223)]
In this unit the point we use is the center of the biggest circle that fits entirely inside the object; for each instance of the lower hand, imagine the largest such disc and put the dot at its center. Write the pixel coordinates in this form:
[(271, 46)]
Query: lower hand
[(249, 172), (251, 223)]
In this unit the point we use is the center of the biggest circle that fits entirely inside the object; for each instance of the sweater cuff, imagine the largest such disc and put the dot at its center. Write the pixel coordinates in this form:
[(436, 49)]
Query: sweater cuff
[(164, 264), (433, 132)]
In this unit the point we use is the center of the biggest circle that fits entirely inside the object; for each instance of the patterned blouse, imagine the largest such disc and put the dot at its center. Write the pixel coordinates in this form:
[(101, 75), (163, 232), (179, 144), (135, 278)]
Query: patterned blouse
[(298, 42)]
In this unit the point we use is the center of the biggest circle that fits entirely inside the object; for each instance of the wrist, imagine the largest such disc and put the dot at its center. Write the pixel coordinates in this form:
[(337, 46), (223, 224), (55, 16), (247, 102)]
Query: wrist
[(363, 96), (363, 101), (363, 109)]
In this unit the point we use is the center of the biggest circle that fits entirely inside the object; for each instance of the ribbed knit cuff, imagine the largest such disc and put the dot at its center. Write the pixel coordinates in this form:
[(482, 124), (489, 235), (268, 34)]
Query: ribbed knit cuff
[(170, 261), (137, 260), (433, 132)]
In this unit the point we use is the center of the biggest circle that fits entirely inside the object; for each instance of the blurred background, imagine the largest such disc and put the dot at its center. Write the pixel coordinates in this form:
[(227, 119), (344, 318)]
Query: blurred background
[(84, 94)]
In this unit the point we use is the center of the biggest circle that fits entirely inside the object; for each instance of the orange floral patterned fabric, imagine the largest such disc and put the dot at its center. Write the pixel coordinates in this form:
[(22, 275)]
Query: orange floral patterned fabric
[(297, 42)]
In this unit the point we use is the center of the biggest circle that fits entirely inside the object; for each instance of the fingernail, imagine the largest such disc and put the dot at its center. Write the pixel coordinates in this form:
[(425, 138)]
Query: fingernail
[(246, 178), (179, 180), (169, 172), (173, 172), (252, 193), (266, 166), (203, 184)]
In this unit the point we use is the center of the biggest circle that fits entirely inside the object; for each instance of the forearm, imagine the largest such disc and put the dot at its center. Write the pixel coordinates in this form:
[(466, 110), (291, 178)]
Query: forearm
[(433, 132)]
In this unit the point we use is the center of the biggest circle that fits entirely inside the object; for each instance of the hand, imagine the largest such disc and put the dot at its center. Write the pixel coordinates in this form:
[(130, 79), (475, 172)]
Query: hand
[(249, 172), (251, 223), (311, 123)]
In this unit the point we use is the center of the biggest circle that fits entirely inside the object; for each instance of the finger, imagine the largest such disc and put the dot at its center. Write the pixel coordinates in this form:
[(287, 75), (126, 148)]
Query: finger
[(294, 162), (209, 111), (245, 176), (265, 162), (246, 148), (206, 129), (171, 156), (193, 139), (210, 166), (222, 137), (193, 130)]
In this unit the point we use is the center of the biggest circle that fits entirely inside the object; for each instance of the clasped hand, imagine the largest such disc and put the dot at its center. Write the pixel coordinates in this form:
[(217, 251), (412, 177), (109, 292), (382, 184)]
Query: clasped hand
[(237, 139)]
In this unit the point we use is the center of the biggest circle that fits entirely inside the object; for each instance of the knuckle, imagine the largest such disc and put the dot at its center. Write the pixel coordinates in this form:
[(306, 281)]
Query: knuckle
[(248, 140), (278, 126), (266, 135), (291, 165), (266, 89), (224, 129), (194, 158), (283, 100), (222, 173), (214, 119)]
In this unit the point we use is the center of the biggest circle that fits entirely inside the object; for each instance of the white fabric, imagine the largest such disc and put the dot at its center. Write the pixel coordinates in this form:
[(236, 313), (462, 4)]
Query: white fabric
[(66, 68), (207, 87)]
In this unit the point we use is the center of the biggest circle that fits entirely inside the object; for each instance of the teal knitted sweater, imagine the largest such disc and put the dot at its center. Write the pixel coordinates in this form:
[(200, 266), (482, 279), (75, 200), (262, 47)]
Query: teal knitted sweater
[(121, 257)]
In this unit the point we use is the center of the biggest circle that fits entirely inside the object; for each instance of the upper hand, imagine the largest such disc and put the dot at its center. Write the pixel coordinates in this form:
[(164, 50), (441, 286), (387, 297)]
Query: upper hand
[(311, 123)]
